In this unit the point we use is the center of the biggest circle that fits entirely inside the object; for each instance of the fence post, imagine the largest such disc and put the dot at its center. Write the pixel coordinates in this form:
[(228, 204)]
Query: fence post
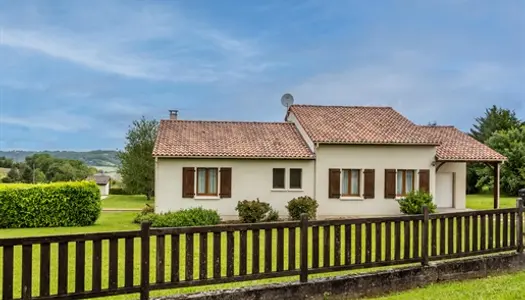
[(424, 237), (144, 259), (304, 248), (519, 225)]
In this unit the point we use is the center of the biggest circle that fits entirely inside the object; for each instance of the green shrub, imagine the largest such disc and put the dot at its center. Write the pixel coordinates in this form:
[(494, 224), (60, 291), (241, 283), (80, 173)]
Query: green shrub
[(255, 211), (185, 218), (302, 205), (144, 214), (118, 191), (61, 204), (412, 204)]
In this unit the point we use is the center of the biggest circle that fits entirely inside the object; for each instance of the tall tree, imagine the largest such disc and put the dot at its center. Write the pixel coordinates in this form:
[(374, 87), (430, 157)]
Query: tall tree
[(137, 166), (510, 143), (495, 119)]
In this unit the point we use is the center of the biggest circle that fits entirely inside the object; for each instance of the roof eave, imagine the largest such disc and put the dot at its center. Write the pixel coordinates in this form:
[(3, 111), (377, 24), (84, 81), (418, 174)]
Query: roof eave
[(480, 160), (375, 143), (233, 157)]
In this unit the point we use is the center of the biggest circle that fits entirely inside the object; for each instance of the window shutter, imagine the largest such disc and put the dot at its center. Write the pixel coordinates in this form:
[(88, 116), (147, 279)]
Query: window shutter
[(424, 180), (369, 192), (390, 184), (226, 183), (334, 183), (188, 182)]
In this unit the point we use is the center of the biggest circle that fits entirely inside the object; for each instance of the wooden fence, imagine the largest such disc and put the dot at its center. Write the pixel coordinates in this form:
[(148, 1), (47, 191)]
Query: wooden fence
[(92, 265)]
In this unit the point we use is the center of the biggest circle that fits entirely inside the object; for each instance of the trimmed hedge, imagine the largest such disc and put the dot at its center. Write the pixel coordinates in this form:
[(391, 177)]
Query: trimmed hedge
[(118, 191), (62, 204), (197, 216)]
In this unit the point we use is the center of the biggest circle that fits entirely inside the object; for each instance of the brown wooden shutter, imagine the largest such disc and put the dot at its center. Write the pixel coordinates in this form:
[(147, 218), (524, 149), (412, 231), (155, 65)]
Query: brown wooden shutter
[(334, 183), (424, 180), (188, 182), (226, 183), (369, 192), (390, 184)]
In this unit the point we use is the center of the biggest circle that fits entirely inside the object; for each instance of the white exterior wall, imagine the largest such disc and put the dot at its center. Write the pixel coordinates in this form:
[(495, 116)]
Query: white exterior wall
[(368, 157), (251, 179), (460, 183), (104, 189)]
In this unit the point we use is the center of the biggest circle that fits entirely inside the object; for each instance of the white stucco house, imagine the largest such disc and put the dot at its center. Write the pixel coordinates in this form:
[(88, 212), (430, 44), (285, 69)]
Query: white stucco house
[(353, 160)]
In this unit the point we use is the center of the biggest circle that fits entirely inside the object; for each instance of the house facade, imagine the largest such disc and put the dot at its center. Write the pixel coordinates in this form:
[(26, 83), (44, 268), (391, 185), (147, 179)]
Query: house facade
[(352, 160)]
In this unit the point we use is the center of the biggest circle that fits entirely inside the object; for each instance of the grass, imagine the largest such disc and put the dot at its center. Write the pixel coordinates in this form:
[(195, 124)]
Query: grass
[(126, 201), (486, 201), (108, 221), (504, 287)]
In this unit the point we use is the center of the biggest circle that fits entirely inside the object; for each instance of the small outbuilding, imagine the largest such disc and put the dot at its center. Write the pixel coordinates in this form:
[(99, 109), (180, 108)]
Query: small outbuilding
[(103, 182)]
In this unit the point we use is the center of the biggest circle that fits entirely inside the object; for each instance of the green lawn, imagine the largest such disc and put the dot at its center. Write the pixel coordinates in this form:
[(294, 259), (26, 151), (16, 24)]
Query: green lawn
[(504, 287), (126, 201), (486, 201), (108, 221)]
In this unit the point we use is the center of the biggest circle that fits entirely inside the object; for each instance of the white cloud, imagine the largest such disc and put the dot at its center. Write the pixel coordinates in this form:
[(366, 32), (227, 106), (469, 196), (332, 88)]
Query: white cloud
[(51, 120), (192, 51), (418, 86)]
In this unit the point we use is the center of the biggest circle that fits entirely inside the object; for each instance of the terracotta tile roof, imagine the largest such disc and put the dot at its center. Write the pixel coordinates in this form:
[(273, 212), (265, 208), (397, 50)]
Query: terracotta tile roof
[(358, 125), (181, 138), (458, 146)]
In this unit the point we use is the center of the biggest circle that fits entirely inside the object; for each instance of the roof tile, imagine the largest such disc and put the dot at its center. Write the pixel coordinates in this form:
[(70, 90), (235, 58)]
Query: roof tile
[(181, 138), (358, 125), (458, 146)]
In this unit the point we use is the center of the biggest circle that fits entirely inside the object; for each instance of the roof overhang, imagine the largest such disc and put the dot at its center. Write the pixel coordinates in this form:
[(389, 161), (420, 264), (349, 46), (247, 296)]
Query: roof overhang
[(235, 157)]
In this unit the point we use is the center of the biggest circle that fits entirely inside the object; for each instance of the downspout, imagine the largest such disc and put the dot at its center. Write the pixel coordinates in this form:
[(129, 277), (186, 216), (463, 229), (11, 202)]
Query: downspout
[(316, 146), (156, 181)]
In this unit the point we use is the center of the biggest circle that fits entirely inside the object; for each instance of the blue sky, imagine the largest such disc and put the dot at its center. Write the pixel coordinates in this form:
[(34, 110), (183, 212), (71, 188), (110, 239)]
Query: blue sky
[(75, 74)]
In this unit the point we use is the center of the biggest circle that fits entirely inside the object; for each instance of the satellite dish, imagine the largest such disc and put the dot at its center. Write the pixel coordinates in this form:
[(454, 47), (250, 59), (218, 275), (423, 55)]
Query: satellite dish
[(287, 100)]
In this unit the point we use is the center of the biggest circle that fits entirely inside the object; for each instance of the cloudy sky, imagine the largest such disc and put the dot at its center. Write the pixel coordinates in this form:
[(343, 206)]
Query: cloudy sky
[(75, 74)]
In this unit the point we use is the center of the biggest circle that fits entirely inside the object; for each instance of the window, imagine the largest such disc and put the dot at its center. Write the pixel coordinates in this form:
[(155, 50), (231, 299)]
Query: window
[(405, 182), (278, 178), (296, 178), (351, 182), (207, 182)]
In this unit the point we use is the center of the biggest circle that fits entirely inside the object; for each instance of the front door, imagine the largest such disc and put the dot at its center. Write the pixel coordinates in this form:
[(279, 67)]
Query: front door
[(444, 190)]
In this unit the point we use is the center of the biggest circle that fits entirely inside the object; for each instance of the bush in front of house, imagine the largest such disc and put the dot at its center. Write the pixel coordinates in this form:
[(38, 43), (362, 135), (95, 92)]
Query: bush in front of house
[(412, 204), (255, 211), (146, 214), (302, 205), (182, 218), (62, 204)]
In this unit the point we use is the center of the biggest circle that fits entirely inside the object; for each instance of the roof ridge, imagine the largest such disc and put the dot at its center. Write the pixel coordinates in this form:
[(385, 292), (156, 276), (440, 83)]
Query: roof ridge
[(227, 122), (439, 126), (341, 106)]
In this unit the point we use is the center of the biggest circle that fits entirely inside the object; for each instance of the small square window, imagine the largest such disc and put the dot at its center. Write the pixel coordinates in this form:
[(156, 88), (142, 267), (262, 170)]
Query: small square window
[(278, 178), (296, 178)]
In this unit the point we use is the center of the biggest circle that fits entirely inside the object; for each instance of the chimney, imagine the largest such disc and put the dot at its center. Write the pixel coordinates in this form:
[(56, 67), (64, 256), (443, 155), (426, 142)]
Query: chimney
[(173, 114)]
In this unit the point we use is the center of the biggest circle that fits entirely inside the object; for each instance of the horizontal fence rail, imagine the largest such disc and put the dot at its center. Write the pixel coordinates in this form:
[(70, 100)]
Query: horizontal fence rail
[(84, 266)]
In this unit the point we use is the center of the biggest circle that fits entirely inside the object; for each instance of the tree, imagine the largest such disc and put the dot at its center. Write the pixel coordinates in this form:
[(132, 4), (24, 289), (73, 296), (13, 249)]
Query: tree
[(510, 143), (137, 166), (495, 119)]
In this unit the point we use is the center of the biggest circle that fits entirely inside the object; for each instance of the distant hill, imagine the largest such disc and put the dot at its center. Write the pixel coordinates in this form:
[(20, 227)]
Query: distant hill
[(107, 158)]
